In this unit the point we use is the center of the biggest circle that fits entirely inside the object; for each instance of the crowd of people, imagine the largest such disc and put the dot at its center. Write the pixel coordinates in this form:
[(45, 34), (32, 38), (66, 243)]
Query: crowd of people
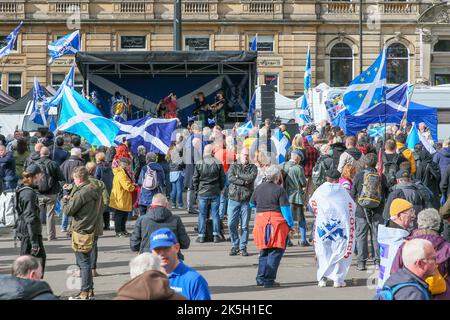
[(365, 195)]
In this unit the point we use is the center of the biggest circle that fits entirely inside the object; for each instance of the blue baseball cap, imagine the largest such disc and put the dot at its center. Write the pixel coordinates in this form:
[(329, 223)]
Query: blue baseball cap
[(163, 237)]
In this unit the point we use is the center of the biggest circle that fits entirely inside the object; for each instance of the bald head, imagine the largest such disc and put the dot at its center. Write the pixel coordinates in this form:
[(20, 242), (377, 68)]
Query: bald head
[(27, 267), (38, 147), (44, 152)]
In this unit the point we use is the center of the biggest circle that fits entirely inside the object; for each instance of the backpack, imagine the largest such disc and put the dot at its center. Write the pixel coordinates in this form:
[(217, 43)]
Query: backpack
[(8, 211), (46, 182), (390, 168), (318, 173), (388, 293), (370, 196), (150, 181)]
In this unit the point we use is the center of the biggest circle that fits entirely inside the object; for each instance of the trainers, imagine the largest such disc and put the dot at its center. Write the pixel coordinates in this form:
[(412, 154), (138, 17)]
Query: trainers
[(83, 295), (244, 253), (217, 239), (91, 294), (234, 251), (181, 207), (322, 283), (361, 266), (200, 240), (174, 206), (118, 234), (339, 285), (272, 285), (305, 244)]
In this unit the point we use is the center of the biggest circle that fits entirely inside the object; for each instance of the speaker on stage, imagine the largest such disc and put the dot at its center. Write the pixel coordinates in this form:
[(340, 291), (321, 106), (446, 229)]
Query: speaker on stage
[(267, 102)]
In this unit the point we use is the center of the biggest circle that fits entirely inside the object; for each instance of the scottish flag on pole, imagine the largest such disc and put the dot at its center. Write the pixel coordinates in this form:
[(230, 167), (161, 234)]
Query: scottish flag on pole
[(377, 132), (81, 117), (245, 128), (69, 44), (252, 108), (282, 145), (154, 134), (11, 40), (305, 117), (39, 109), (68, 82), (368, 88), (307, 76)]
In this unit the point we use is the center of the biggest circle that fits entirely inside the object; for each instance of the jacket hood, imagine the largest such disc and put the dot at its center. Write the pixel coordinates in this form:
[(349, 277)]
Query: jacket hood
[(89, 192), (75, 158), (155, 166), (441, 245), (151, 285), (445, 152), (425, 156), (35, 156), (355, 153), (159, 214), (339, 146), (13, 288)]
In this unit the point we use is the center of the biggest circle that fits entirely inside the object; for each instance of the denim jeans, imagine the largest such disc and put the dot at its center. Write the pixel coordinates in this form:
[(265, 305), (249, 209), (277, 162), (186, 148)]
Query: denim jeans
[(84, 262), (94, 254), (269, 261), (143, 209), (176, 194), (65, 221), (203, 208), (297, 211), (224, 201), (190, 199), (166, 169), (238, 212)]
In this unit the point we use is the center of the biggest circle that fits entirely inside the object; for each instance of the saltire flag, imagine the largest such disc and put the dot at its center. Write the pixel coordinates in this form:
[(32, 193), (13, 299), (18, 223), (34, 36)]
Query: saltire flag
[(154, 134), (252, 108), (282, 144), (307, 77), (415, 137), (39, 109), (245, 128), (305, 116), (334, 232), (81, 117), (69, 44), (368, 88), (52, 126), (67, 82), (396, 98), (10, 41), (211, 122), (377, 132)]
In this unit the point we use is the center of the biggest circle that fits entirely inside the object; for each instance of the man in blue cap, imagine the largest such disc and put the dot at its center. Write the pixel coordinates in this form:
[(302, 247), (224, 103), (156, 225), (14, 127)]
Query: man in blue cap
[(182, 278)]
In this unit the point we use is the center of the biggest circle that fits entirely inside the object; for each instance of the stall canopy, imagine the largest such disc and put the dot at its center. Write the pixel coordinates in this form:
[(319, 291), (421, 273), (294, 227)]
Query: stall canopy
[(5, 99), (417, 113)]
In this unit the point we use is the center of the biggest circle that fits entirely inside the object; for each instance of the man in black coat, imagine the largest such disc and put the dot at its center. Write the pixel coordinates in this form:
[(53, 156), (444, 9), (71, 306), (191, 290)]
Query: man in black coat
[(158, 216)]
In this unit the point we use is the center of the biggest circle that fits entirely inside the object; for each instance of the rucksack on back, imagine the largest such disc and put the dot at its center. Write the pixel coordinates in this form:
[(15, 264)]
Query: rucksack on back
[(390, 168), (46, 182), (318, 173), (150, 181), (370, 196), (388, 293)]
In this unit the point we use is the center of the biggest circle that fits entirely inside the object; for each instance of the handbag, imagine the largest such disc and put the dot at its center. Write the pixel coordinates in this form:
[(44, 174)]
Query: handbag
[(82, 242), (436, 283)]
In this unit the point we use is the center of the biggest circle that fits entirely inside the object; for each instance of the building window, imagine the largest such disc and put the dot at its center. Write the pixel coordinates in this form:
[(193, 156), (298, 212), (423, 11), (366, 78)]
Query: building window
[(133, 42), (78, 84), (442, 46), (196, 43), (441, 79), (265, 43), (4, 42), (341, 65), (15, 85), (397, 63), (57, 79), (271, 80)]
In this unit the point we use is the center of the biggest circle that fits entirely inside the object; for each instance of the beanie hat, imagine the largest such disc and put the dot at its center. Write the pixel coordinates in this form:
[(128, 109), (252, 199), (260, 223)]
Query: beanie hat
[(399, 206)]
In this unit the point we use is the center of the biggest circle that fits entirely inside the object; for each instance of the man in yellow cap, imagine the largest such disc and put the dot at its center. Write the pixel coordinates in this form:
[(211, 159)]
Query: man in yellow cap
[(392, 235)]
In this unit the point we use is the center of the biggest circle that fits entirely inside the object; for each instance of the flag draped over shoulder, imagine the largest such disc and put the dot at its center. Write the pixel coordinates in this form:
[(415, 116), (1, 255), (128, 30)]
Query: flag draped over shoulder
[(69, 44), (282, 144), (368, 89), (334, 233), (154, 134), (10, 41), (81, 117)]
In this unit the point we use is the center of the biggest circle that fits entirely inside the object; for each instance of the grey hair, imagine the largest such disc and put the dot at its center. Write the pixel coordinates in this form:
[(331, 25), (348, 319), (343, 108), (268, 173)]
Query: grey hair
[(429, 219), (75, 152), (414, 250), (23, 265), (141, 150), (150, 157), (144, 262), (272, 172)]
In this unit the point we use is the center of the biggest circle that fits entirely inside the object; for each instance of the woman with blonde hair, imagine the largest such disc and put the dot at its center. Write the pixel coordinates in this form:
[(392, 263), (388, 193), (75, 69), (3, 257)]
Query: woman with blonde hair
[(297, 144)]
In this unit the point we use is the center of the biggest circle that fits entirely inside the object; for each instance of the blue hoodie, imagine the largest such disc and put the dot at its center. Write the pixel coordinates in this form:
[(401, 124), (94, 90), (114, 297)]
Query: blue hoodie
[(442, 158)]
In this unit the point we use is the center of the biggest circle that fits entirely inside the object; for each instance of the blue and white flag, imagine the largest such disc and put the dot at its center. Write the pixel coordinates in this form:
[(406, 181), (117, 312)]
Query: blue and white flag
[(415, 137), (81, 117), (282, 144), (254, 44), (11, 40), (52, 127), (245, 128), (305, 116), (368, 88), (211, 122), (307, 77), (69, 44), (377, 131), (39, 109), (154, 134), (67, 82), (252, 108)]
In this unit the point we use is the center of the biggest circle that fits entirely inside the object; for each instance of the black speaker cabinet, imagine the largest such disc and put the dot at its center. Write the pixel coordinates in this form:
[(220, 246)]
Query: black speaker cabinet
[(267, 102)]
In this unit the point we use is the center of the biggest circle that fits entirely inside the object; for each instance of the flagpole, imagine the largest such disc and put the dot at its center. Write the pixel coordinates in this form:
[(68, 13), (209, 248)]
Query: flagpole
[(405, 115)]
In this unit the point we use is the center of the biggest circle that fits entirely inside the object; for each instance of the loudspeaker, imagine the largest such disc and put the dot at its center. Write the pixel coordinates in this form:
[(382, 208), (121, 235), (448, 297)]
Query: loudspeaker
[(267, 102)]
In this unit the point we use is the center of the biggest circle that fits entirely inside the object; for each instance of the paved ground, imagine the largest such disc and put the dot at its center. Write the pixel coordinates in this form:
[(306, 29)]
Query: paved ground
[(228, 277)]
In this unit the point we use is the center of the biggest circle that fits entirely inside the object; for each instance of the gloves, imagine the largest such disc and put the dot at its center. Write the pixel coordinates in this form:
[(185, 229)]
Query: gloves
[(35, 249)]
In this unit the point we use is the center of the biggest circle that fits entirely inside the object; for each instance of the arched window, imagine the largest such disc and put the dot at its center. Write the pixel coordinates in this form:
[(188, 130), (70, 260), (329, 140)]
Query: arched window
[(397, 63), (341, 65)]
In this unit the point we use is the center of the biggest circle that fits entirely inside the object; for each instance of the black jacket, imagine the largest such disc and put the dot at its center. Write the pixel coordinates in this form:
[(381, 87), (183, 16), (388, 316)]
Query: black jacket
[(68, 166), (410, 292), (29, 222), (154, 219), (209, 177), (241, 178), (139, 163), (338, 149), (13, 288), (445, 183), (54, 172), (429, 173), (59, 155), (35, 156), (357, 187), (176, 161)]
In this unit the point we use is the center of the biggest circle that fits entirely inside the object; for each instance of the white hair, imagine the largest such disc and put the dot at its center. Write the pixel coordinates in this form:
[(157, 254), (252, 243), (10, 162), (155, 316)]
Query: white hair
[(429, 219), (144, 262), (272, 172), (141, 150), (75, 152), (414, 250)]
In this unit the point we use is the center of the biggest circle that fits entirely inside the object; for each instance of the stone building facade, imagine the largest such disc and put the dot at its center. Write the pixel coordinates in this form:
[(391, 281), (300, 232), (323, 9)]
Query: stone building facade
[(417, 34)]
